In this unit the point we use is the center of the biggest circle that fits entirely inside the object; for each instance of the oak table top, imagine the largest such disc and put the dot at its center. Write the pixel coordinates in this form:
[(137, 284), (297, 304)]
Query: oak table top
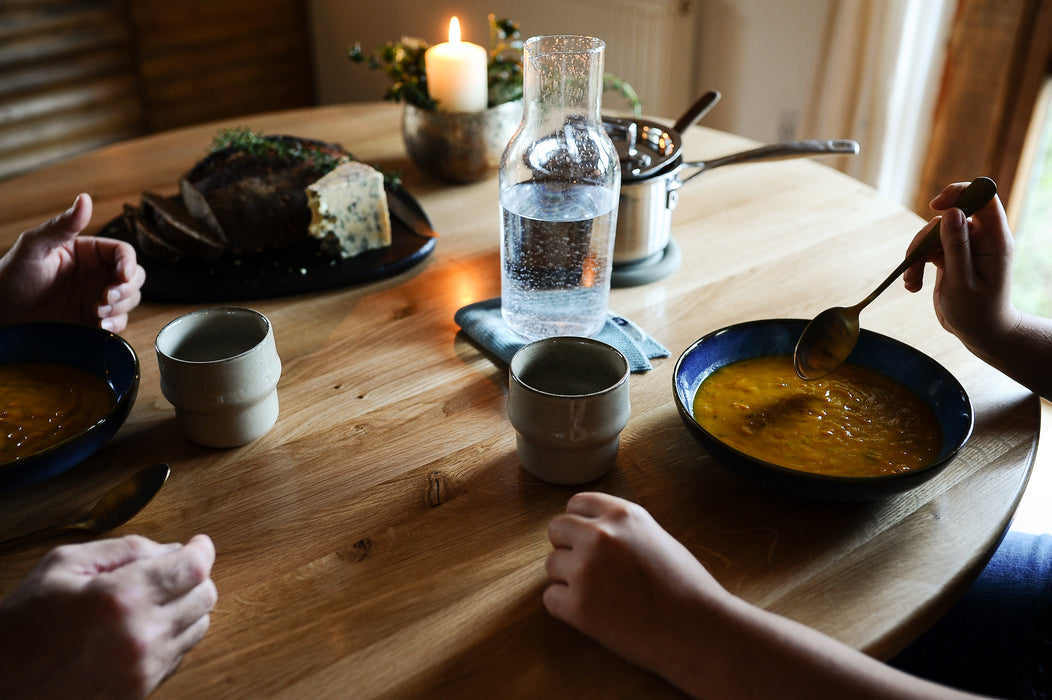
[(383, 539)]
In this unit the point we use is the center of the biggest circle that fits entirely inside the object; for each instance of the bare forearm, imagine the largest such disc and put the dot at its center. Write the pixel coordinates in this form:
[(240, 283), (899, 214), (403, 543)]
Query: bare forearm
[(1024, 353), (620, 578), (751, 653)]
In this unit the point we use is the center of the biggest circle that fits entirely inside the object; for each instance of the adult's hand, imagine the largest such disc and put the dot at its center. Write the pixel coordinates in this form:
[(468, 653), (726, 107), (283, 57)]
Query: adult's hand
[(111, 618), (53, 274)]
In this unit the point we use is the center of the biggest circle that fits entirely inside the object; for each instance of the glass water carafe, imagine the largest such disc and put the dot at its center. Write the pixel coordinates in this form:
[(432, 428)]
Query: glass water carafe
[(560, 181)]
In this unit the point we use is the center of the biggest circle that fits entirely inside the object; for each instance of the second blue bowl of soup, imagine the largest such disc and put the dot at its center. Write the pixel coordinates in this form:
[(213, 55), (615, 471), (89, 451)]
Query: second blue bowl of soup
[(101, 354), (922, 375)]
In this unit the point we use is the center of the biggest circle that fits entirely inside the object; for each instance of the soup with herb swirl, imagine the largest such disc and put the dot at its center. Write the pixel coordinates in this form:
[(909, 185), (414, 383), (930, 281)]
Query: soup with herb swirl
[(854, 422)]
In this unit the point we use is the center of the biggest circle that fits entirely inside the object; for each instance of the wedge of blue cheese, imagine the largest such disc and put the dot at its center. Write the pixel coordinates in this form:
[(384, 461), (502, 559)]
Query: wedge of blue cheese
[(349, 210)]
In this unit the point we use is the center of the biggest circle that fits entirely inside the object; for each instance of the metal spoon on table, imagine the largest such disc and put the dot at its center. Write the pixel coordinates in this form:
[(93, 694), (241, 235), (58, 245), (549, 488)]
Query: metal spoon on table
[(116, 507), (829, 338)]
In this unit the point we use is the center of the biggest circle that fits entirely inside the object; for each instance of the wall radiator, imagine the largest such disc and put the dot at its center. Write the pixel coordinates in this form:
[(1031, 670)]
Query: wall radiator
[(649, 43)]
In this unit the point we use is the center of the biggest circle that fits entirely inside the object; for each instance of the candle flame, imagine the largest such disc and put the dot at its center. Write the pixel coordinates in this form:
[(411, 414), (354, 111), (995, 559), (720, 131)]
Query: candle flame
[(454, 31), (589, 269)]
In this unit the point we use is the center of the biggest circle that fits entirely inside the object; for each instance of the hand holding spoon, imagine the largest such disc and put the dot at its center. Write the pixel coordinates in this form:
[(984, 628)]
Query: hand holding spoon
[(116, 507), (829, 338)]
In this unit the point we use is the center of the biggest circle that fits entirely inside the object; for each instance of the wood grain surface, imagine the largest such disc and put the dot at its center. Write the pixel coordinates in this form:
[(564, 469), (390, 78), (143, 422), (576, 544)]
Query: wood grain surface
[(383, 540)]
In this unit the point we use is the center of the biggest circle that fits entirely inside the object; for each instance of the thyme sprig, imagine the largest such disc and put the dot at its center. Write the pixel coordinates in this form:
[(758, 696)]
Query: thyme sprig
[(256, 144)]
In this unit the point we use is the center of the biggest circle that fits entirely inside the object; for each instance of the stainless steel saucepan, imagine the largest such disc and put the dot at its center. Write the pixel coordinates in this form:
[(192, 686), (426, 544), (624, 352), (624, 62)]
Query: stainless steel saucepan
[(644, 216), (653, 171)]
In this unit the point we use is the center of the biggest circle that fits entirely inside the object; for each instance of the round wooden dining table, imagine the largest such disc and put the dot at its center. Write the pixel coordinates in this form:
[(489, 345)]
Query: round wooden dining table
[(383, 539)]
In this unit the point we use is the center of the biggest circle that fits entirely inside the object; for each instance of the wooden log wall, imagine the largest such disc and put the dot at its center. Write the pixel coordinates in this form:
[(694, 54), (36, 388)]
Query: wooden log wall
[(78, 74), (68, 80), (202, 60)]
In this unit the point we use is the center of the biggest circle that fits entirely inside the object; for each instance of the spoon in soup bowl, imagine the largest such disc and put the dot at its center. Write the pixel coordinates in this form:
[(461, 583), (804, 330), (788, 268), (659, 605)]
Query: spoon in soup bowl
[(829, 338)]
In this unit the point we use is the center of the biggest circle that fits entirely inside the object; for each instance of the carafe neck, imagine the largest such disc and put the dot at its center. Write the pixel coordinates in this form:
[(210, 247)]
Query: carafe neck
[(563, 78)]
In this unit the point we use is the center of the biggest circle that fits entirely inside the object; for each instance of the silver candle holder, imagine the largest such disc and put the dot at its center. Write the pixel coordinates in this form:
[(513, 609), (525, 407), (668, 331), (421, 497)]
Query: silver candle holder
[(460, 147)]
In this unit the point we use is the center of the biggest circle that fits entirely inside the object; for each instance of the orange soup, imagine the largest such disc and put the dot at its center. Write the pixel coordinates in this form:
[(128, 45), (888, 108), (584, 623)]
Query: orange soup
[(853, 422), (42, 404)]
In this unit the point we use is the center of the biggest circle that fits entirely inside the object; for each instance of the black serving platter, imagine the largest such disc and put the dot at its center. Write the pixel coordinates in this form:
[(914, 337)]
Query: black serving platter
[(296, 269)]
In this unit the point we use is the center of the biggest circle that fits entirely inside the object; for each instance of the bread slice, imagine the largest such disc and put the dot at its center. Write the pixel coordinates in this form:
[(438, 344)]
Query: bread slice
[(150, 244), (171, 221)]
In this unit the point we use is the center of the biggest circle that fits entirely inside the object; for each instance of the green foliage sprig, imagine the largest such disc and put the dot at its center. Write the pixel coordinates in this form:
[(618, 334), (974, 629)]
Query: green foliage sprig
[(403, 64), (505, 61), (612, 83)]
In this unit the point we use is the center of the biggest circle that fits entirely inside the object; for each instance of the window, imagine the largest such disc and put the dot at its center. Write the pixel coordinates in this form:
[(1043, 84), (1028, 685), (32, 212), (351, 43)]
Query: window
[(1032, 218)]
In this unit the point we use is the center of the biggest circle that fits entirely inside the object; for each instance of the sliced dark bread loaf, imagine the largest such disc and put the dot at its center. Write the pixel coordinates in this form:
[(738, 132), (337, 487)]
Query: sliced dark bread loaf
[(256, 201), (150, 244), (171, 221)]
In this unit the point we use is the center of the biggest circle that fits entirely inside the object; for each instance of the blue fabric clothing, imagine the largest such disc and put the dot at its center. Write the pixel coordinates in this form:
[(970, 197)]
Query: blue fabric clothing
[(997, 639)]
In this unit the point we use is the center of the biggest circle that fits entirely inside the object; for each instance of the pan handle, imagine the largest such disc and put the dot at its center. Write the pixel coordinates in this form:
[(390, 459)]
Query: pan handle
[(776, 151), (697, 110)]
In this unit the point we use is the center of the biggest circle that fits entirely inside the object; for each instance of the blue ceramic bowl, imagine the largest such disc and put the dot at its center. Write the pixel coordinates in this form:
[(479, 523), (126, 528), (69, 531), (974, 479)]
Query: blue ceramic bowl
[(94, 350), (927, 378)]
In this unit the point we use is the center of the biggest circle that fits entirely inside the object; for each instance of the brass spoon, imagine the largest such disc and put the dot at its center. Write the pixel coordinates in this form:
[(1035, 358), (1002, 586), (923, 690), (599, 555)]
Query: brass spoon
[(829, 338), (116, 507)]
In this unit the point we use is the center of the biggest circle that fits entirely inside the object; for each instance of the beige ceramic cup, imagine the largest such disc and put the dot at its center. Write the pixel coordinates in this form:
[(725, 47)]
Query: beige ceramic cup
[(220, 369), (568, 402)]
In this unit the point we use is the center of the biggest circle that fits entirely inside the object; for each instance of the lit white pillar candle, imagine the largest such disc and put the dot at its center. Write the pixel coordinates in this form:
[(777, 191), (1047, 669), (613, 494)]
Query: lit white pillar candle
[(456, 73)]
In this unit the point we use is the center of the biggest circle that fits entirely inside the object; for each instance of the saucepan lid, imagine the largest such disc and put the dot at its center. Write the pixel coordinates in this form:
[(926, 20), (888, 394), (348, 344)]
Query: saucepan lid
[(647, 148), (644, 148)]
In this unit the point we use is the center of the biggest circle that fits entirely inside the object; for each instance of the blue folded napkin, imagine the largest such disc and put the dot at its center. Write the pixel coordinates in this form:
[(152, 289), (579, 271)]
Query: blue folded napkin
[(483, 322)]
